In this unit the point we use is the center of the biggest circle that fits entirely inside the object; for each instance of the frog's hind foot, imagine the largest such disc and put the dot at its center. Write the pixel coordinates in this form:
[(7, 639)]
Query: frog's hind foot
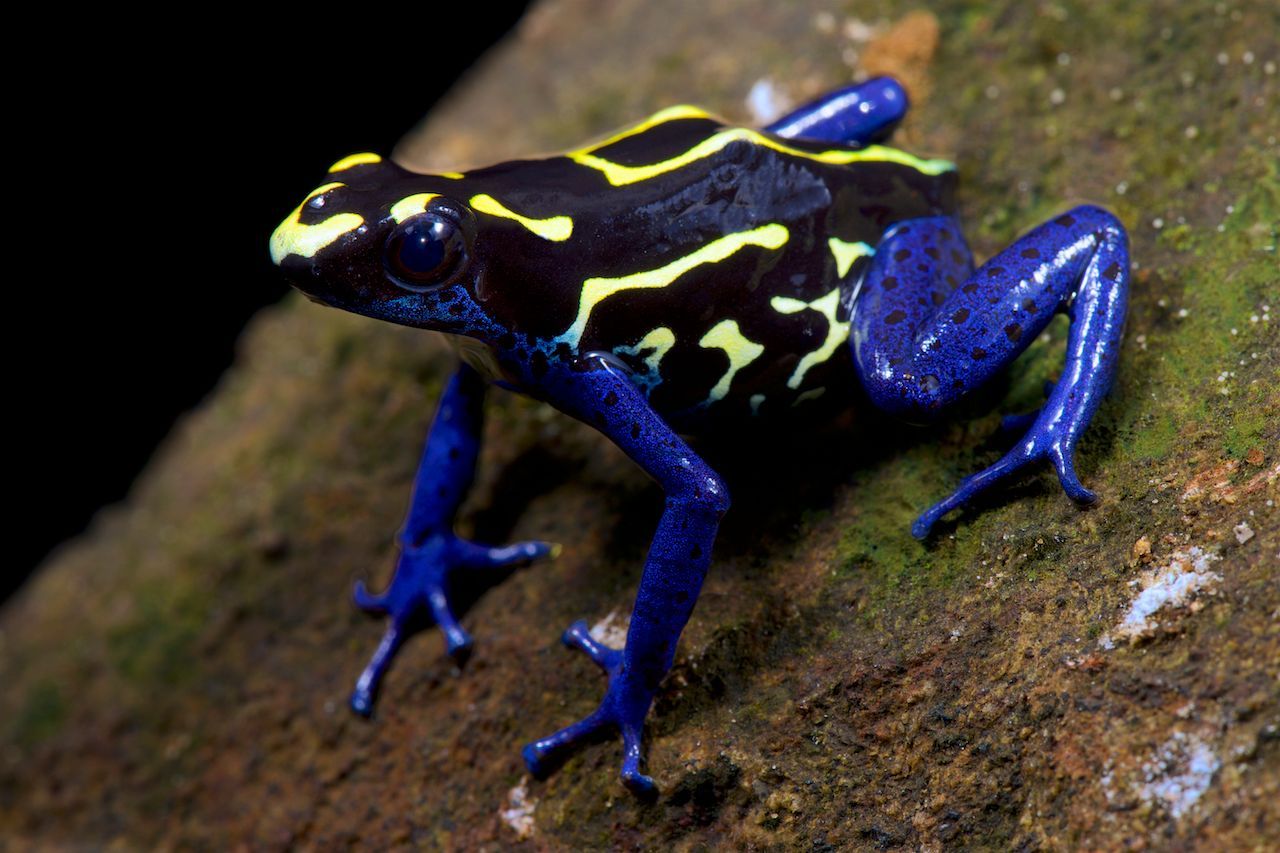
[(623, 710), (432, 582)]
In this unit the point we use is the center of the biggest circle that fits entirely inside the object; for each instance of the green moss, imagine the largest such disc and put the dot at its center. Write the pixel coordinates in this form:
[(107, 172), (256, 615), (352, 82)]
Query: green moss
[(42, 714), (1153, 438), (158, 644), (1244, 431)]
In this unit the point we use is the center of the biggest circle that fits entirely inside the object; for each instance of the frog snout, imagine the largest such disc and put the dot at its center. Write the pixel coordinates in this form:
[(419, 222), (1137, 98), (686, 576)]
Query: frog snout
[(303, 274)]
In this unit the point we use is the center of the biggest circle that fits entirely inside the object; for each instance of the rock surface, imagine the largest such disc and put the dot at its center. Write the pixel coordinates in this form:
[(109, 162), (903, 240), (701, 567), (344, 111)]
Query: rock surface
[(177, 677)]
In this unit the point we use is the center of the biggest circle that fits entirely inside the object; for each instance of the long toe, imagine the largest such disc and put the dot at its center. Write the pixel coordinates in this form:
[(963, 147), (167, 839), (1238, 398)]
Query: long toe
[(543, 756), (1063, 462)]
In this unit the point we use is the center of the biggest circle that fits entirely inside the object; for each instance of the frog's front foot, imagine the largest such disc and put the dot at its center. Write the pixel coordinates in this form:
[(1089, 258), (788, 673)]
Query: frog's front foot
[(1047, 438), (623, 709), (429, 578)]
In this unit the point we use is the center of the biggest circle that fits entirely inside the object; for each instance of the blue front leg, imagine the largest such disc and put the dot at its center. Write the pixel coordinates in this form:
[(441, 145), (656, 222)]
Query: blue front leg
[(434, 565), (597, 392), (927, 329)]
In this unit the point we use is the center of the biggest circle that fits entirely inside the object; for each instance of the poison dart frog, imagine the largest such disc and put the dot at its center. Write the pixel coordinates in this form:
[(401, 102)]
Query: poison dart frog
[(679, 276)]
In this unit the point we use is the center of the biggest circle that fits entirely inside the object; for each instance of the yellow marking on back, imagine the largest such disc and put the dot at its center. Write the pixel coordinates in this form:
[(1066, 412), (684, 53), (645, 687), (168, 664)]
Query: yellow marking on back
[(837, 332), (453, 176), (726, 336), (675, 113), (292, 237), (811, 394), (846, 253), (352, 160), (660, 340), (596, 290), (555, 228), (411, 206), (620, 175)]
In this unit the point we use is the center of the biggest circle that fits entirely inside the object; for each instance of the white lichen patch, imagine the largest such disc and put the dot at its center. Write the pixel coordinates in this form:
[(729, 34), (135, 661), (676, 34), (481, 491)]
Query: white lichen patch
[(766, 101), (611, 630), (1179, 773), (519, 811), (1173, 585)]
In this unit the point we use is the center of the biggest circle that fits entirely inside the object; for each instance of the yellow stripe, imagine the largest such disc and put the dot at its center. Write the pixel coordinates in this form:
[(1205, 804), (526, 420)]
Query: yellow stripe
[(837, 332), (620, 175), (676, 113), (660, 340), (596, 290), (725, 335), (846, 253), (555, 228), (453, 176), (352, 160), (294, 238), (411, 206), (811, 394)]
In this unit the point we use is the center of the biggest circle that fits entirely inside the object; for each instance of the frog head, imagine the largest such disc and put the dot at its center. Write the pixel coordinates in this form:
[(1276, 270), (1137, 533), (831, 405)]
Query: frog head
[(379, 240)]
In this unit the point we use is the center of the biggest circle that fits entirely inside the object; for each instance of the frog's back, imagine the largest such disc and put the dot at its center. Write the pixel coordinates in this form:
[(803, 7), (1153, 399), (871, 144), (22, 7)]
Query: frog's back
[(708, 258)]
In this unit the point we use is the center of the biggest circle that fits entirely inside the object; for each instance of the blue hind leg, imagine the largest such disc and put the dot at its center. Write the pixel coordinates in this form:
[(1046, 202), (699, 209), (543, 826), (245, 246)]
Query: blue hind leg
[(927, 329), (859, 115)]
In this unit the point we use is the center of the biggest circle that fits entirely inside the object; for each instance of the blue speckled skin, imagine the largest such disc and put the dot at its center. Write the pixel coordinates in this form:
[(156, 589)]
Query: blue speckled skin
[(924, 329)]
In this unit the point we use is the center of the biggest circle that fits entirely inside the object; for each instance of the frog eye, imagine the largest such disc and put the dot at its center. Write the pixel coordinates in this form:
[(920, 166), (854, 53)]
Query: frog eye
[(425, 252)]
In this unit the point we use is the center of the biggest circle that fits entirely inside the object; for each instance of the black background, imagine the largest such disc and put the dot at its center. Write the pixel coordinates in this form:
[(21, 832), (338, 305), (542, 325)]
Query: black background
[(164, 161)]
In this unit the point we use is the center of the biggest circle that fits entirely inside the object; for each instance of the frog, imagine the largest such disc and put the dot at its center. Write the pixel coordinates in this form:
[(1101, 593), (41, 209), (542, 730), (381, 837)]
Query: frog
[(679, 278)]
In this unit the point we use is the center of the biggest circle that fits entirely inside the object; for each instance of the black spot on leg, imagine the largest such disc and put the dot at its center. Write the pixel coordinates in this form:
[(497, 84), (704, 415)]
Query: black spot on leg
[(957, 257), (960, 316), (902, 254), (932, 252), (538, 363), (896, 316), (1014, 331), (951, 280), (971, 287), (695, 552), (938, 297), (1112, 272), (978, 353), (889, 282), (611, 399), (453, 453), (1029, 305), (1031, 253), (992, 272), (1066, 220), (635, 431)]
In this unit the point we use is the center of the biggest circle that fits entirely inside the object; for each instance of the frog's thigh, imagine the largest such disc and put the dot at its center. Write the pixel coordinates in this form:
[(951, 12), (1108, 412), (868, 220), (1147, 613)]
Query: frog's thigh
[(926, 330)]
